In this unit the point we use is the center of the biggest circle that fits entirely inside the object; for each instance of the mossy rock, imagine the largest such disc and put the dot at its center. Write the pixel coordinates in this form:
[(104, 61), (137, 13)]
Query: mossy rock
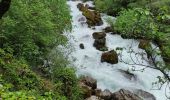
[(93, 17), (110, 57), (100, 44), (99, 35), (145, 45)]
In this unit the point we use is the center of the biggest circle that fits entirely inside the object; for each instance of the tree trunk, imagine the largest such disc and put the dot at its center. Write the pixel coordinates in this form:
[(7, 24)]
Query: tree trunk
[(4, 7)]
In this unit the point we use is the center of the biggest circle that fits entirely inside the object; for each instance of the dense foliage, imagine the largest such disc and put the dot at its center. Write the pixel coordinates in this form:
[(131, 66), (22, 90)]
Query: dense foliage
[(136, 23), (112, 7), (29, 32)]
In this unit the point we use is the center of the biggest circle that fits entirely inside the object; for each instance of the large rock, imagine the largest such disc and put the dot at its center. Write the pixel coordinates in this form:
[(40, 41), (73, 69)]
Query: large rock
[(100, 44), (145, 95), (110, 57), (145, 45), (123, 94), (89, 81), (99, 35), (100, 41), (93, 17), (106, 95)]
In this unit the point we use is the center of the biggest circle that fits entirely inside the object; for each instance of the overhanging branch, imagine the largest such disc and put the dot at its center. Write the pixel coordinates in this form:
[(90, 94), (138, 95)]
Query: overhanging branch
[(4, 7)]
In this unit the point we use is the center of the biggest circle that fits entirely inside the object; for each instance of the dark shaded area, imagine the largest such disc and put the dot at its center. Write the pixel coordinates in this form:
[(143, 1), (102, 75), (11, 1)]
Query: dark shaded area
[(4, 7)]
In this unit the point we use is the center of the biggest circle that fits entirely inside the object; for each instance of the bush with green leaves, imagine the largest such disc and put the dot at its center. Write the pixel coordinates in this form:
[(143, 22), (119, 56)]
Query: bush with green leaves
[(136, 23), (32, 28), (104, 6), (62, 74), (7, 94), (111, 7), (29, 31)]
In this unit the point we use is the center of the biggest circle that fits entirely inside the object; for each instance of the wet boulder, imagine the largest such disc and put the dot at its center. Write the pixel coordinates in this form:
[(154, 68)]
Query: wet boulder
[(100, 44), (93, 17), (145, 95), (106, 95), (110, 57), (99, 35), (81, 46), (123, 94), (89, 81), (100, 41)]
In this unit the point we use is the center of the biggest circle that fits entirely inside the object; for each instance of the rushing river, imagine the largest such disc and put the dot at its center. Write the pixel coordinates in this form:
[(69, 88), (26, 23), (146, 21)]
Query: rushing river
[(87, 61)]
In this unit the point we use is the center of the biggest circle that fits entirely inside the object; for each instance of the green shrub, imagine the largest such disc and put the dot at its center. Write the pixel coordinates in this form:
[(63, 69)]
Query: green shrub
[(29, 31), (69, 86), (63, 75), (18, 72), (136, 23), (32, 28), (111, 7)]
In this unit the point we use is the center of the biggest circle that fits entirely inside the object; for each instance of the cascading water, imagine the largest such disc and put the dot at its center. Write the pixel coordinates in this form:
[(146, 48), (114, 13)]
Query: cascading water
[(87, 61)]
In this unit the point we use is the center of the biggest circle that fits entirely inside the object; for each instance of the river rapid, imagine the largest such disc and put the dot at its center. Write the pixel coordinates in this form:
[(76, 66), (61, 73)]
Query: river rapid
[(87, 61)]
